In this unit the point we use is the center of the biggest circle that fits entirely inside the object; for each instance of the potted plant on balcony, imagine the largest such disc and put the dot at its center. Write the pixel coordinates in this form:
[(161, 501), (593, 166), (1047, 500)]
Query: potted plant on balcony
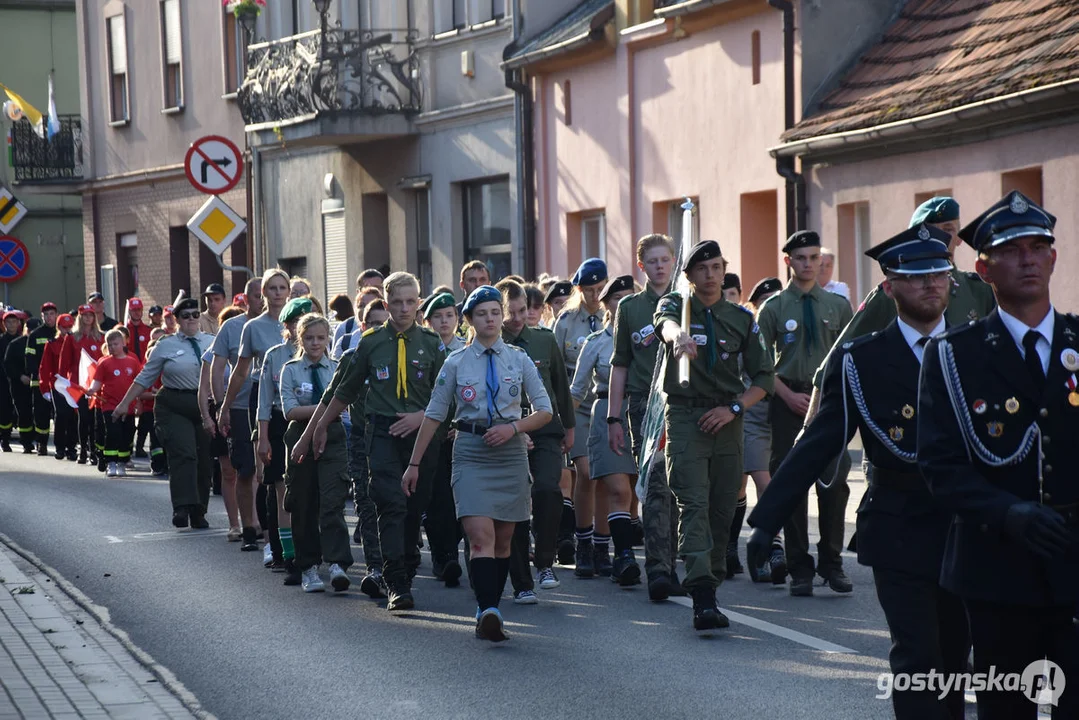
[(242, 8)]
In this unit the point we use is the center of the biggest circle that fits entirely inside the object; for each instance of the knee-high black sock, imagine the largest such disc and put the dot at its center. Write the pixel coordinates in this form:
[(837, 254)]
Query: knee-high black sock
[(736, 523), (569, 518), (503, 567), (484, 574), (621, 531)]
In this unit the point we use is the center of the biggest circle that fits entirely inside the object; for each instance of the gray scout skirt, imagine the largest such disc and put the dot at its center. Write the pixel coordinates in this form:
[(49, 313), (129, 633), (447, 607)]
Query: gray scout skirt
[(758, 438), (491, 482), (580, 435), (601, 459)]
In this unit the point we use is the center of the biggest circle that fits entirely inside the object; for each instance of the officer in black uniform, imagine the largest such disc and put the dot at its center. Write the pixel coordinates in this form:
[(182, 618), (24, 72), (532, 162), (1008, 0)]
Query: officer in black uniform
[(35, 348), (19, 384), (871, 385), (997, 420), (13, 324)]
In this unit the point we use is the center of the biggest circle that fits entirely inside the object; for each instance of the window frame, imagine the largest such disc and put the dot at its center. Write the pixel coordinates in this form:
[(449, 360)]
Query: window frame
[(239, 45), (482, 252), (110, 60), (175, 103), (586, 219)]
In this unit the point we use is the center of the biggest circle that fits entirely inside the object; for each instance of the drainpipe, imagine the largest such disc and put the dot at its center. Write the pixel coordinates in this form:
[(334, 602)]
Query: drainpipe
[(523, 120), (796, 187)]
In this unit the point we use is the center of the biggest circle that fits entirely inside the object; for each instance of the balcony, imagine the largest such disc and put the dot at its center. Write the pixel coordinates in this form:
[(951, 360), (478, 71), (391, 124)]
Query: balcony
[(35, 160), (335, 86)]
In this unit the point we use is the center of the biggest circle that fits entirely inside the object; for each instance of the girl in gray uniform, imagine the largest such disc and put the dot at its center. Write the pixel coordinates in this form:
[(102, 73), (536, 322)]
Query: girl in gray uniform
[(582, 316), (616, 471), (490, 479)]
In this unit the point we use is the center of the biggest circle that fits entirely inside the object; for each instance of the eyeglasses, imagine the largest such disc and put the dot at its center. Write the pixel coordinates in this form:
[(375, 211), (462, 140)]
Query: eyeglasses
[(193, 315), (924, 280)]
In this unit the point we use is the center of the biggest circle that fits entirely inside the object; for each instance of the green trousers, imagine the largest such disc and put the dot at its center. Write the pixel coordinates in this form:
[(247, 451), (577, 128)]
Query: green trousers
[(315, 494), (705, 475), (179, 425)]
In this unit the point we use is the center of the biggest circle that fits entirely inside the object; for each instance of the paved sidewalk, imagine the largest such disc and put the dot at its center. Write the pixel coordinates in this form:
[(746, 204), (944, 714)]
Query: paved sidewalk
[(58, 661)]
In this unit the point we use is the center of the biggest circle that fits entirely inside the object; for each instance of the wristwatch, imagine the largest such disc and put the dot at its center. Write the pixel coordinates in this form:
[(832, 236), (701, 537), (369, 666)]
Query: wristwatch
[(736, 408), (613, 420)]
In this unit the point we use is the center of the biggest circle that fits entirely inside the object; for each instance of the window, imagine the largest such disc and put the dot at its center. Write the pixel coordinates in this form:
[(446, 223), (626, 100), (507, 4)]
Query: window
[(423, 239), (172, 77), (107, 287), (235, 52), (335, 250), (459, 20), (1027, 181), (127, 258), (179, 259), (755, 52), (567, 102), (921, 197), (854, 239), (498, 9), (674, 220), (594, 236), (487, 225), (118, 90), (295, 267)]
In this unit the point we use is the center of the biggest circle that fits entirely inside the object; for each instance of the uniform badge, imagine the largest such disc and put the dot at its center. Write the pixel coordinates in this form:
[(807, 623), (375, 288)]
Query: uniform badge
[(142, 338), (788, 338), (1018, 205), (907, 412), (973, 314), (995, 428), (923, 233), (648, 340), (1073, 391), (848, 345), (636, 338), (514, 390), (980, 407), (755, 329), (116, 373), (416, 362), (1069, 358), (1011, 405), (420, 351), (580, 340), (896, 434), (647, 330), (791, 325), (419, 374), (468, 393), (382, 373), (93, 348), (700, 339), (178, 352), (724, 356)]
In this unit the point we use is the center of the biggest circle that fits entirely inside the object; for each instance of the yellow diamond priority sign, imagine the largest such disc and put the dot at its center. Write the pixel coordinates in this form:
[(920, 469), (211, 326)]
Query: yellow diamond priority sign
[(11, 211), (216, 224)]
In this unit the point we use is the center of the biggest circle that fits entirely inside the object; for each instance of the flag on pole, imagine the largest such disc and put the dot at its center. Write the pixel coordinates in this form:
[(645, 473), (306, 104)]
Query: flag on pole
[(70, 393), (26, 110), (52, 127), (87, 368)]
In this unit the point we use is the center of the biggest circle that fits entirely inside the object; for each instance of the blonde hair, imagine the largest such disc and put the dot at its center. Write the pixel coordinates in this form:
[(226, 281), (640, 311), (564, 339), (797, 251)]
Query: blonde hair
[(95, 327), (115, 332), (399, 280), (271, 273), (653, 240), (304, 324)]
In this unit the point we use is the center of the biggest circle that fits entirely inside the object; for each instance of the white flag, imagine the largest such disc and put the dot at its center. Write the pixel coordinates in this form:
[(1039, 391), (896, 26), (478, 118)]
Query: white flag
[(53, 125)]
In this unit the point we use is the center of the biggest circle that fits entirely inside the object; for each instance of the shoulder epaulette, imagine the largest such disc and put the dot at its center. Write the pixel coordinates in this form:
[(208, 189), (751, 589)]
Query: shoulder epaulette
[(958, 329), (860, 340), (744, 309), (597, 333), (973, 276), (371, 331), (542, 329)]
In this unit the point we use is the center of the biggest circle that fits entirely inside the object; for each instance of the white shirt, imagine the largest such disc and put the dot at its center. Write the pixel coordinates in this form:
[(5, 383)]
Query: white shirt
[(912, 336), (1018, 329), (839, 288)]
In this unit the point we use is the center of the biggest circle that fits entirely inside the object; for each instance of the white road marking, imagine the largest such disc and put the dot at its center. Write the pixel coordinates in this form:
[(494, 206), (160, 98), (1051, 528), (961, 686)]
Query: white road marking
[(777, 630), (113, 539), (166, 535)]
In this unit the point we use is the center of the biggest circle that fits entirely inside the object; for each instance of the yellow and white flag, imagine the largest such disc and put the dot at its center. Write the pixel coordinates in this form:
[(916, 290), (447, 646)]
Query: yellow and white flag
[(16, 107)]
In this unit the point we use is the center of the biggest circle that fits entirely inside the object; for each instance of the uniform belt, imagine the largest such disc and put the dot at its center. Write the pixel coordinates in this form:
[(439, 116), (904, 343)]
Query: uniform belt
[(898, 480), (602, 395), (468, 427), (381, 421), (798, 386), (178, 390), (698, 402)]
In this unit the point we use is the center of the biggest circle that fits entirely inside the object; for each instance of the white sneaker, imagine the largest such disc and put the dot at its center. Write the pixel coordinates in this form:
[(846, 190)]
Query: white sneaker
[(525, 597), (110, 470), (267, 555), (338, 579), (310, 580), (547, 579)]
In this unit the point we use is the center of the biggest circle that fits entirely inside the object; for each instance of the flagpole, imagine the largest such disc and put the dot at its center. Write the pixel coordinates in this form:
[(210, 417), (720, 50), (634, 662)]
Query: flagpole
[(683, 287)]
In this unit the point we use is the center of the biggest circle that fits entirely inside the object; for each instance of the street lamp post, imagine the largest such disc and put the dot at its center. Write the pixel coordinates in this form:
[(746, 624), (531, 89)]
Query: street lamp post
[(323, 9)]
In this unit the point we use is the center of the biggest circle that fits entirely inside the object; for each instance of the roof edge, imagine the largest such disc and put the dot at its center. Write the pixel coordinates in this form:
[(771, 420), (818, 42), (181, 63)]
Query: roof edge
[(865, 136), (596, 25)]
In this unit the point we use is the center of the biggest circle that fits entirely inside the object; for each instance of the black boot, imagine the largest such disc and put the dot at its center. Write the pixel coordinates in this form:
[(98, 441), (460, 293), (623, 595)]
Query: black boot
[(602, 560), (585, 561), (626, 570), (250, 540), (292, 573), (5, 442), (706, 616), (42, 447), (676, 586)]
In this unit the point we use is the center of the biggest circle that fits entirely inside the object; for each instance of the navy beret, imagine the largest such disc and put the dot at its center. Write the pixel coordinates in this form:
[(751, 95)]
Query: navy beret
[(562, 288), (482, 294), (935, 210), (915, 251), (704, 250), (617, 284), (437, 302), (801, 239), (592, 272), (1012, 217), (765, 286), (731, 280)]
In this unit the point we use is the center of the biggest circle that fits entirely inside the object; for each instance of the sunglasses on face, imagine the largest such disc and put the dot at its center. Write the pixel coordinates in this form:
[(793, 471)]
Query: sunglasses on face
[(191, 315)]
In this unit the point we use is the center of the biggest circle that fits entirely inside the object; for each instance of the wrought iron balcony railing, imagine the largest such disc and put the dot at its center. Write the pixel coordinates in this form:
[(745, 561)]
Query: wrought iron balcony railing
[(38, 160), (338, 71)]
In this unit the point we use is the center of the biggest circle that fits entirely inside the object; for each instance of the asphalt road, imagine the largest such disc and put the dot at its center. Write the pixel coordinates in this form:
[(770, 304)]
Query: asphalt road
[(247, 647)]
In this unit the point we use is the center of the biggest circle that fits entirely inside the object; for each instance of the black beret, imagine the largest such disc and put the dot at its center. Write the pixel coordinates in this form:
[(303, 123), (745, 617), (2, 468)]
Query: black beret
[(617, 284), (186, 304), (1012, 217), (704, 250), (562, 288), (731, 280), (801, 239), (765, 286), (156, 310)]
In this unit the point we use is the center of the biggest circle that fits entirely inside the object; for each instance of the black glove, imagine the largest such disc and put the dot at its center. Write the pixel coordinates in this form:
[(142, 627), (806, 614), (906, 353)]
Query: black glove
[(1039, 528), (758, 549)]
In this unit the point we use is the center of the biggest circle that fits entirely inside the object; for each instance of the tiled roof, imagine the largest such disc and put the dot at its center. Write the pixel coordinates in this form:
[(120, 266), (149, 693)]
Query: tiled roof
[(943, 54), (577, 22)]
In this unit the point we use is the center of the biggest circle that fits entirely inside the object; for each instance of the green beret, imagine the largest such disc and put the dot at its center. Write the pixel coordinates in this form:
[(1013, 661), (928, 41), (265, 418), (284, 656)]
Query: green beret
[(935, 210), (295, 309), (438, 302)]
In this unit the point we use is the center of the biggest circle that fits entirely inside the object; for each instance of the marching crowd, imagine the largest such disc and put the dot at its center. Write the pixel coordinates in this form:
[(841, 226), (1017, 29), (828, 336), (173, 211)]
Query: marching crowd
[(518, 420)]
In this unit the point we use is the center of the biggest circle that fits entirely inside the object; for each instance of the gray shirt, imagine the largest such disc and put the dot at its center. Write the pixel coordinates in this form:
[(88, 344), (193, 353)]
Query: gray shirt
[(463, 381), (270, 392), (297, 389), (571, 329), (175, 360), (258, 336), (594, 365), (227, 345)]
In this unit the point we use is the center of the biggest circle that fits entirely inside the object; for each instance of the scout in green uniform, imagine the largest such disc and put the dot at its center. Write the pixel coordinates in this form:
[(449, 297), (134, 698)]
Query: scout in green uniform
[(800, 325), (399, 361), (633, 364), (971, 299), (554, 300), (704, 420), (549, 443)]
